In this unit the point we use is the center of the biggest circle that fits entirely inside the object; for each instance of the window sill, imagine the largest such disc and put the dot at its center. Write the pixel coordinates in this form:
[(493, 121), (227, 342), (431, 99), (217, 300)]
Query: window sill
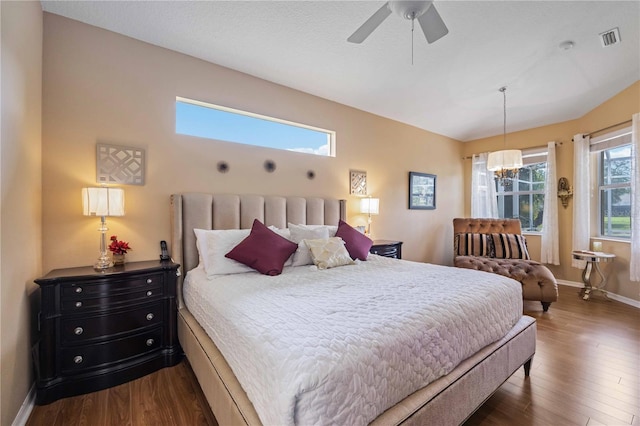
[(612, 239)]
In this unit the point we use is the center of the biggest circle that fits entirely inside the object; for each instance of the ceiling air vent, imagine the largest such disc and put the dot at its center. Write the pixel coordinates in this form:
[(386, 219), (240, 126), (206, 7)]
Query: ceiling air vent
[(609, 38)]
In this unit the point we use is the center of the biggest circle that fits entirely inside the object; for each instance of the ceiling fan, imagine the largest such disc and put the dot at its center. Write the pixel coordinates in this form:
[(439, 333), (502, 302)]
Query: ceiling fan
[(425, 12)]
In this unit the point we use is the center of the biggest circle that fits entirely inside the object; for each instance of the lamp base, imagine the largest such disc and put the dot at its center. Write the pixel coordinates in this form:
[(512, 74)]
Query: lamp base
[(103, 263)]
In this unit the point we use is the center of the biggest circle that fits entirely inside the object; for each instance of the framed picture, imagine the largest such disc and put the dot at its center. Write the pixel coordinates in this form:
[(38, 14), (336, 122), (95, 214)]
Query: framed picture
[(422, 191)]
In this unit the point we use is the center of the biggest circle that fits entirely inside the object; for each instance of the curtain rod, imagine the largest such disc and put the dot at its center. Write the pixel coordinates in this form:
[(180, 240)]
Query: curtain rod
[(529, 147), (605, 128)]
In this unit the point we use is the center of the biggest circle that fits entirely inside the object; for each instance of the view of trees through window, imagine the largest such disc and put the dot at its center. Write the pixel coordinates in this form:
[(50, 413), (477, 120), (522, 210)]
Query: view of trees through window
[(523, 196), (615, 192)]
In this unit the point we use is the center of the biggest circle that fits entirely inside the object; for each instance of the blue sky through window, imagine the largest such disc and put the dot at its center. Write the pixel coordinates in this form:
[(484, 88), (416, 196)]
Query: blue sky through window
[(208, 122)]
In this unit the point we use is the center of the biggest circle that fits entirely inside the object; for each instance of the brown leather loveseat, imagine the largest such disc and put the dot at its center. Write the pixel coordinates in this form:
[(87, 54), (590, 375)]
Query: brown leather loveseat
[(498, 246)]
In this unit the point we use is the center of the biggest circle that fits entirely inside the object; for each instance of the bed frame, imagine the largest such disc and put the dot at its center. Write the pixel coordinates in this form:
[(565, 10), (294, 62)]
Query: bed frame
[(448, 400)]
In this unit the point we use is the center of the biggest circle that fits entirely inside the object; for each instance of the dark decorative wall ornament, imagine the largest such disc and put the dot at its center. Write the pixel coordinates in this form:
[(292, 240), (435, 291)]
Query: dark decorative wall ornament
[(270, 166), (222, 166), (311, 174)]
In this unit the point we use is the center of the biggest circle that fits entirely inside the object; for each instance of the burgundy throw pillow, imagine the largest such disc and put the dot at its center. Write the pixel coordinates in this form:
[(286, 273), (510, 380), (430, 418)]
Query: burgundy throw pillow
[(357, 244), (263, 250)]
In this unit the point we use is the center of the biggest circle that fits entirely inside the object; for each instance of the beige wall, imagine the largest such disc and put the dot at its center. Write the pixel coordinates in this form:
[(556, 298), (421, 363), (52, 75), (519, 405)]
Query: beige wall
[(20, 217), (615, 110), (103, 87)]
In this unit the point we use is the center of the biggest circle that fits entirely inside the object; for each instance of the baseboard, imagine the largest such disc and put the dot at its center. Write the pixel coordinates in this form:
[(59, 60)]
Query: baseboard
[(27, 407), (613, 296)]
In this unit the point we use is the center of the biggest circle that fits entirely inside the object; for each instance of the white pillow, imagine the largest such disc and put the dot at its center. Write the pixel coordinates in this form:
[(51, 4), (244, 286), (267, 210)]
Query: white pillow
[(214, 244), (329, 253), (302, 255), (331, 228)]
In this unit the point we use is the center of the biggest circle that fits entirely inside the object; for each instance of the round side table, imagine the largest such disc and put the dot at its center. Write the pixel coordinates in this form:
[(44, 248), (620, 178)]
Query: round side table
[(593, 259)]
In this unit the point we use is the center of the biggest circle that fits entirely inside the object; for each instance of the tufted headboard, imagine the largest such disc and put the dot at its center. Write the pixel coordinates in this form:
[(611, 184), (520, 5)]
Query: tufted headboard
[(486, 226), (229, 211)]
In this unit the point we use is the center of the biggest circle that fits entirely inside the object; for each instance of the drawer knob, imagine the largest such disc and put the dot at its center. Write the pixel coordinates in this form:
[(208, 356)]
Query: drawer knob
[(149, 293), (78, 331), (78, 289), (77, 359), (150, 342), (149, 316), (78, 304), (149, 280)]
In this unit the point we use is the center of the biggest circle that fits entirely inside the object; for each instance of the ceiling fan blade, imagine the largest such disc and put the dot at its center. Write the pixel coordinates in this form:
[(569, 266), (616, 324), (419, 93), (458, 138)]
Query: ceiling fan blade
[(432, 25), (370, 24)]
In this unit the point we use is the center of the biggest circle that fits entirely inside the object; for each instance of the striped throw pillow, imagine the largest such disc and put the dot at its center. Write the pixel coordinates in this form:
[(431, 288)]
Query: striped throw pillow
[(469, 244), (510, 246)]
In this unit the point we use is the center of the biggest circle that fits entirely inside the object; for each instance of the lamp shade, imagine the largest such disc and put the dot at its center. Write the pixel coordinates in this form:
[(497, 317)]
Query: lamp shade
[(506, 159), (369, 205), (103, 201)]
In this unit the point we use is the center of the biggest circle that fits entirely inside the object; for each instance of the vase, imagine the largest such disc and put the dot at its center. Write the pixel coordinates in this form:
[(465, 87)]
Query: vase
[(118, 259)]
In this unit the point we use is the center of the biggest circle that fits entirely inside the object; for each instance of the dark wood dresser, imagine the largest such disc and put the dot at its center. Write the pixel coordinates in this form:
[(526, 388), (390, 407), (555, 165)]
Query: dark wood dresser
[(101, 329), (387, 248)]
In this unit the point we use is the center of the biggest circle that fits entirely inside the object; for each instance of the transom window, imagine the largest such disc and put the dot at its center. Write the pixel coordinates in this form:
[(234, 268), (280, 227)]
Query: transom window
[(210, 121), (614, 188)]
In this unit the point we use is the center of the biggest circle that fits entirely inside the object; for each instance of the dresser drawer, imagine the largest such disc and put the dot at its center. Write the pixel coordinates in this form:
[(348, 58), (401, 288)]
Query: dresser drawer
[(80, 290), (81, 329), (79, 358), (109, 301)]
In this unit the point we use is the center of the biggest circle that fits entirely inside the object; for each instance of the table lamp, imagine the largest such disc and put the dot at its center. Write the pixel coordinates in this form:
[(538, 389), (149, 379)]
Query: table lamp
[(103, 202), (370, 206)]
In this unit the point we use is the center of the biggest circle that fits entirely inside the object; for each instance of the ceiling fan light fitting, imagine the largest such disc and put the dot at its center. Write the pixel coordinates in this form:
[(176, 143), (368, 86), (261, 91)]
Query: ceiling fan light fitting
[(425, 12), (409, 9)]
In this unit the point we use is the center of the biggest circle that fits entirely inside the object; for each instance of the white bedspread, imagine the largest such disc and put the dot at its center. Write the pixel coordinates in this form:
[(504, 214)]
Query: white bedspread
[(340, 346)]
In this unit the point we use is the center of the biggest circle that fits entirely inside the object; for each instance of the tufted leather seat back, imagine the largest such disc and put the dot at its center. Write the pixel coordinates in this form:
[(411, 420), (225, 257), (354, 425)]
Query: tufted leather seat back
[(486, 226)]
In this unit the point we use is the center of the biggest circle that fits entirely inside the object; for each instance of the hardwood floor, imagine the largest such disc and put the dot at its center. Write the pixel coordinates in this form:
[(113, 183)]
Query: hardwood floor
[(170, 396), (585, 372)]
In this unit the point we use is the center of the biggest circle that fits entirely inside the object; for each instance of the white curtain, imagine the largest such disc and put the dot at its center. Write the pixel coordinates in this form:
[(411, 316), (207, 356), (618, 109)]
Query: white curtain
[(635, 198), (581, 196), (550, 248), (484, 202)]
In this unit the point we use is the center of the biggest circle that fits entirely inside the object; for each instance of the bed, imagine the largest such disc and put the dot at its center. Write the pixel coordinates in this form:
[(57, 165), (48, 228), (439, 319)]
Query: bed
[(447, 399)]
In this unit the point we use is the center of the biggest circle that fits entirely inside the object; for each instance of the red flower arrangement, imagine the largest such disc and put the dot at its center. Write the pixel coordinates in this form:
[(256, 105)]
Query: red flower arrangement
[(118, 247)]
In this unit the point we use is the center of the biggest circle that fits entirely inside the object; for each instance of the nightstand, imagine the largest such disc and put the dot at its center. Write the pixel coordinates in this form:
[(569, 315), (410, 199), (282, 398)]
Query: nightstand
[(387, 248), (101, 329)]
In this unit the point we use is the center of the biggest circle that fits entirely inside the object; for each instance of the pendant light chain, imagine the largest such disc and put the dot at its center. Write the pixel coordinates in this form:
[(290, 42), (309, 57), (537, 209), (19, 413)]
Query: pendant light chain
[(504, 125)]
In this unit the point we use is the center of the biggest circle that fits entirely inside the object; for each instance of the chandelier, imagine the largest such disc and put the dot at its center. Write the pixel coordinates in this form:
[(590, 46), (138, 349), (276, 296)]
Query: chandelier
[(506, 163)]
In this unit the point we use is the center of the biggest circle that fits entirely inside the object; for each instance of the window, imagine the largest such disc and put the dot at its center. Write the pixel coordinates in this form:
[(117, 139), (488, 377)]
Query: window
[(523, 196), (614, 186), (210, 121)]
